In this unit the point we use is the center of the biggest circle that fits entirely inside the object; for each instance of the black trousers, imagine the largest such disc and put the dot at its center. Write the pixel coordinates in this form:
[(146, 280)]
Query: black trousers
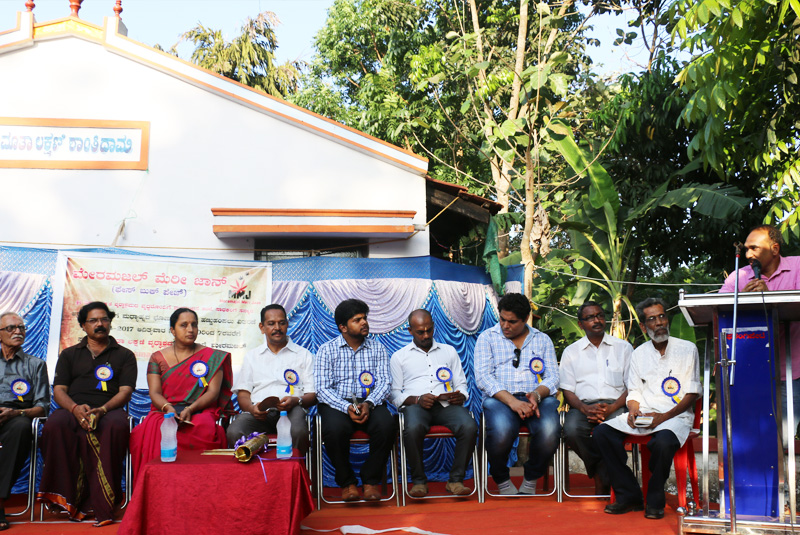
[(337, 428), (578, 435), (457, 419), (15, 436), (662, 446)]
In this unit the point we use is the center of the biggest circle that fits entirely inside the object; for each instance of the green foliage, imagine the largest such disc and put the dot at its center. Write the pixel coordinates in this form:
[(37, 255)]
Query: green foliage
[(648, 148), (602, 230), (496, 270), (742, 87), (318, 95), (680, 328), (248, 58)]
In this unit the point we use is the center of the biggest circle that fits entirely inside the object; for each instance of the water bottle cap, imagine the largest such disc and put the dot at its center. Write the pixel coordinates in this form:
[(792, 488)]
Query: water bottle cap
[(283, 413), (169, 415)]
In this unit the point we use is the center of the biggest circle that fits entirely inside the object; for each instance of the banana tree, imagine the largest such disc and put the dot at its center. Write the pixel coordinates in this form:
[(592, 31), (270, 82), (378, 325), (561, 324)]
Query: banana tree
[(603, 232)]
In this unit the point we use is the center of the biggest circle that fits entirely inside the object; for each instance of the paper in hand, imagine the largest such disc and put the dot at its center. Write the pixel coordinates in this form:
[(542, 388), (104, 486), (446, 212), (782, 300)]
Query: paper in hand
[(643, 421)]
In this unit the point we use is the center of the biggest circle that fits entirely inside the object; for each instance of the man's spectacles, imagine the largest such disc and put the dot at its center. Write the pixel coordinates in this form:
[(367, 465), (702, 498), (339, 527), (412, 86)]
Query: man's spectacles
[(517, 354), (95, 321), (599, 315), (654, 319), (11, 328)]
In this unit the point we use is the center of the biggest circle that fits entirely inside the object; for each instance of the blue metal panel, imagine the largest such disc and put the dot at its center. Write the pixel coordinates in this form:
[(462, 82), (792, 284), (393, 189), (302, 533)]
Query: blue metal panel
[(754, 431)]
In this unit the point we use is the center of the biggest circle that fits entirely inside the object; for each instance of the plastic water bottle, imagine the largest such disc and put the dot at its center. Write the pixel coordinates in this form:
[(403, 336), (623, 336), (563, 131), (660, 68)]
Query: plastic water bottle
[(284, 436), (169, 438)]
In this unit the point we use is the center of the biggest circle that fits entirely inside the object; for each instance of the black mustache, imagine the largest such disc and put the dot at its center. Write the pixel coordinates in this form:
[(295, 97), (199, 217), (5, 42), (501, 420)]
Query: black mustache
[(100, 330)]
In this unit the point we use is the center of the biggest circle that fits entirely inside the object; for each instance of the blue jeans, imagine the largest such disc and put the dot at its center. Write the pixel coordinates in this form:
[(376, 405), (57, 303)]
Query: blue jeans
[(502, 428)]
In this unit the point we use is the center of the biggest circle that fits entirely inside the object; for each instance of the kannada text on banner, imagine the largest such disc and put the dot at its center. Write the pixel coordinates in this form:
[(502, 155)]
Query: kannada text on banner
[(143, 294)]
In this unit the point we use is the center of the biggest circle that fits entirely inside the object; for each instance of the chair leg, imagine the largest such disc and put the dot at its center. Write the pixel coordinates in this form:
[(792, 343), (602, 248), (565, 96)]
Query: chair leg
[(484, 462), (402, 485), (692, 461), (393, 461), (680, 475), (318, 459), (645, 455)]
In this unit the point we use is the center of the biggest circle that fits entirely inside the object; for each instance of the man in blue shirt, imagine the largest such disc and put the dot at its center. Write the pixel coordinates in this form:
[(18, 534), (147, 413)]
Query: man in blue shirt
[(352, 378), (516, 369)]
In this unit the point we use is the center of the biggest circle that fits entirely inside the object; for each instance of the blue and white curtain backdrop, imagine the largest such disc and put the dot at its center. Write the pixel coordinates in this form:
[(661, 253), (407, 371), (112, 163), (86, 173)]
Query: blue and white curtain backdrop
[(460, 298)]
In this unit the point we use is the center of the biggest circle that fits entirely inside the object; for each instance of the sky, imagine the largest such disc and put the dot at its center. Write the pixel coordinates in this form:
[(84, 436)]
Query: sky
[(163, 21)]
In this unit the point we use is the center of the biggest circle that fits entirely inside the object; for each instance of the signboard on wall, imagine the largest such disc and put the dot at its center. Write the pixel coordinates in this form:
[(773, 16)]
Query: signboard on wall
[(35, 143), (144, 291)]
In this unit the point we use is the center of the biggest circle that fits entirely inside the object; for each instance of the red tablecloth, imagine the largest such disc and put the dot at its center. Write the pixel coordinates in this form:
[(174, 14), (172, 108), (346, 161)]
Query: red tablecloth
[(212, 494)]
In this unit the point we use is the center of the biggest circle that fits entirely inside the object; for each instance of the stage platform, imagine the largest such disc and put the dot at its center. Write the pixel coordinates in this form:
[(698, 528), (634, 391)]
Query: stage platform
[(456, 516)]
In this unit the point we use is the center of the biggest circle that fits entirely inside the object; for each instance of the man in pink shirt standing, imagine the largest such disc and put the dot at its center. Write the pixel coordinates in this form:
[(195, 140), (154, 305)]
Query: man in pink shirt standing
[(764, 243)]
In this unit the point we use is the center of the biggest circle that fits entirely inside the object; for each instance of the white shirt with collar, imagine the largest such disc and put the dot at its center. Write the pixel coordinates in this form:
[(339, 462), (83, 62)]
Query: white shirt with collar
[(649, 369), (262, 371), (592, 372), (414, 372)]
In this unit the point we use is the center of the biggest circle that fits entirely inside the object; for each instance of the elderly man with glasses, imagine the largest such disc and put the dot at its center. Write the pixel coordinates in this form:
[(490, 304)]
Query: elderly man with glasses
[(592, 374), (517, 372), (84, 442), (663, 385), (24, 395)]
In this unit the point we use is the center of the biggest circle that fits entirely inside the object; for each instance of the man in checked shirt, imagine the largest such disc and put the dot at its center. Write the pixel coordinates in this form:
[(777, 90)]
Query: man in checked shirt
[(516, 369), (353, 367)]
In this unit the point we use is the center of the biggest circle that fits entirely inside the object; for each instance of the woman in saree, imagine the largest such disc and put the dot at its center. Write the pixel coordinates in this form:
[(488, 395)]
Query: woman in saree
[(193, 382)]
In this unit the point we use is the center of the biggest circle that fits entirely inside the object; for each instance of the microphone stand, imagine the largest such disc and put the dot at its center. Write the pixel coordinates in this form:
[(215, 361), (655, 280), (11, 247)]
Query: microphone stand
[(725, 363)]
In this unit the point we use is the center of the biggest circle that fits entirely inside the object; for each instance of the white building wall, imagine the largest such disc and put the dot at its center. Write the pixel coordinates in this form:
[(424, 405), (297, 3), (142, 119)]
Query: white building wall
[(205, 151)]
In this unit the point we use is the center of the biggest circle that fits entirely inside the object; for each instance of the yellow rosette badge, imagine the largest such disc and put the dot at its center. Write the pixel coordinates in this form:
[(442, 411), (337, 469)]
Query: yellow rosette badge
[(103, 373), (20, 387), (445, 376), (672, 387), (291, 378), (536, 366), (200, 370), (367, 381)]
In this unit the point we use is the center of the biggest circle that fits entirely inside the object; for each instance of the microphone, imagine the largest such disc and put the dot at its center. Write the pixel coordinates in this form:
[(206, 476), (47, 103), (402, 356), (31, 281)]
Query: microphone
[(756, 265)]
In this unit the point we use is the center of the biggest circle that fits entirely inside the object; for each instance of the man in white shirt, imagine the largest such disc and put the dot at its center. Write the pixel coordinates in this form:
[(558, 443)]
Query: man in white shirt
[(278, 368), (663, 384), (592, 375), (429, 385)]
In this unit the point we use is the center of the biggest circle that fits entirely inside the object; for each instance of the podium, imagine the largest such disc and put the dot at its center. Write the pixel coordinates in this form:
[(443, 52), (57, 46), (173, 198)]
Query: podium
[(751, 453)]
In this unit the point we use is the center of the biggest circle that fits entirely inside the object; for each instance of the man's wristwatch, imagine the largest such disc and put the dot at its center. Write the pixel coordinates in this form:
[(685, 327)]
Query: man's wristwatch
[(371, 405), (538, 397), (300, 402), (21, 412)]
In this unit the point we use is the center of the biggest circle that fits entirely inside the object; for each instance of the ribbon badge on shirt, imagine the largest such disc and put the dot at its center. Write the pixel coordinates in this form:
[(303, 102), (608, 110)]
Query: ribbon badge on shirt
[(367, 381), (20, 387), (103, 373), (672, 387), (200, 370), (536, 366), (445, 376), (291, 378)]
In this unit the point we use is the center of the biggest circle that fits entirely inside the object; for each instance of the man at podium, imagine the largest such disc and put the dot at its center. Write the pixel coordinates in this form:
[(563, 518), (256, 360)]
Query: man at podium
[(663, 385), (775, 272)]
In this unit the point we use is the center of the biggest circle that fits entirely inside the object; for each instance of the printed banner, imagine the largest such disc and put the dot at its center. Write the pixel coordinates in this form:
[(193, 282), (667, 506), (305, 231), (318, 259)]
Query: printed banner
[(144, 293)]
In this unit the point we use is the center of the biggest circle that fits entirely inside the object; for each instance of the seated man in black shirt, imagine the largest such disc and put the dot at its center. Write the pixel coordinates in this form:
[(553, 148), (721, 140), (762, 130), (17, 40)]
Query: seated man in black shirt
[(84, 442)]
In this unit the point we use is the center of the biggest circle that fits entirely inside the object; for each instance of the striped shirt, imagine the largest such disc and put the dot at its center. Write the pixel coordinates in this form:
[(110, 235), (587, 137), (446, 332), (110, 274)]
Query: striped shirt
[(337, 369), (494, 370)]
